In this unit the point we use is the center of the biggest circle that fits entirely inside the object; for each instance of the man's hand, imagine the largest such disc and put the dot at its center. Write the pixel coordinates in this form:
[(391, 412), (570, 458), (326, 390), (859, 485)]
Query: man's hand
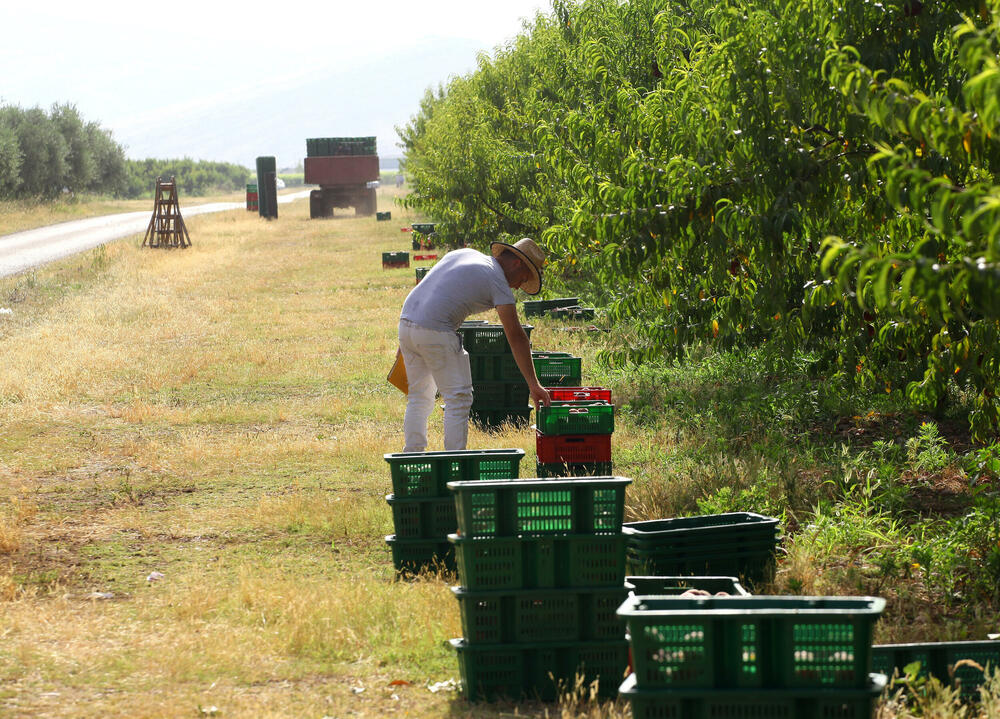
[(540, 396)]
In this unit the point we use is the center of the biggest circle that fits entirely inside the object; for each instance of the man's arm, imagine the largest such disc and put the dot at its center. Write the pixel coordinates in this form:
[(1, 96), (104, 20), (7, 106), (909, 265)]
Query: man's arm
[(521, 348)]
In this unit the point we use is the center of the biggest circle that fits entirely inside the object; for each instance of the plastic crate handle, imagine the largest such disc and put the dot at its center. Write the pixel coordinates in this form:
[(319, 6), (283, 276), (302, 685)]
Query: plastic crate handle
[(579, 410)]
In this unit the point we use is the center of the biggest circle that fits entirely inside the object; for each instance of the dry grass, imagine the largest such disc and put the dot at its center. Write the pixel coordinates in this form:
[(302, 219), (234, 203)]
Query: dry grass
[(19, 215), (218, 416)]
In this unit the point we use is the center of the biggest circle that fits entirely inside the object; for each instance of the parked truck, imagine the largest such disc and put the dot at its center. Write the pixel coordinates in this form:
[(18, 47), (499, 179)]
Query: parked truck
[(346, 170)]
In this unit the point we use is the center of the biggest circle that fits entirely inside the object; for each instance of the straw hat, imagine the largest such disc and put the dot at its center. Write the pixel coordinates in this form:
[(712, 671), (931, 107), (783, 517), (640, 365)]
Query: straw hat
[(533, 258)]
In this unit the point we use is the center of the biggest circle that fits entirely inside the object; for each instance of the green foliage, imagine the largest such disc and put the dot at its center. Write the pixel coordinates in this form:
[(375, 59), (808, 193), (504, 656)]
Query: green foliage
[(45, 154), (771, 174), (193, 177)]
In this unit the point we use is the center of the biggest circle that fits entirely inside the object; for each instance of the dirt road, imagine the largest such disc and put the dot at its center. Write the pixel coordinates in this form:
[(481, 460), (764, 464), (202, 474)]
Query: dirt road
[(24, 250)]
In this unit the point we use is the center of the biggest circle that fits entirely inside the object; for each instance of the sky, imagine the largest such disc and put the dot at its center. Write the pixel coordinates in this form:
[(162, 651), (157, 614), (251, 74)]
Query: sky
[(231, 81)]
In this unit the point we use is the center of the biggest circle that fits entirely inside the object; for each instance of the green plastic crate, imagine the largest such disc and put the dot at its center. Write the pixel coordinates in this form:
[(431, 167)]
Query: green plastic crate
[(752, 704), (423, 518), (500, 418), (573, 469), (938, 659), (517, 671), (576, 417), (426, 474), (543, 562), (499, 395), (533, 507), (421, 272), (674, 586), (486, 338), (495, 368), (540, 615), (751, 642), (680, 533), (423, 227), (538, 308), (412, 556), (558, 371), (549, 353), (572, 313)]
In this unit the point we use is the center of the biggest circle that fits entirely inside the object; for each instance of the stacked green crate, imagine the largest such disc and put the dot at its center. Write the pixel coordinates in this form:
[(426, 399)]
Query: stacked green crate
[(541, 564), (538, 308), (751, 656), (741, 544), (573, 438), (963, 665), (334, 146), (499, 392), (423, 511)]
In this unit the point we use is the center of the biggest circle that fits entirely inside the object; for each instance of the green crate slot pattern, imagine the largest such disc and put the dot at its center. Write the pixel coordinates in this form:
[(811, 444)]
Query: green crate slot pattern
[(514, 671), (426, 474), (423, 518), (558, 371), (562, 507), (495, 368), (751, 704), (415, 555), (728, 644), (499, 395), (577, 418), (511, 563), (540, 615), (486, 338)]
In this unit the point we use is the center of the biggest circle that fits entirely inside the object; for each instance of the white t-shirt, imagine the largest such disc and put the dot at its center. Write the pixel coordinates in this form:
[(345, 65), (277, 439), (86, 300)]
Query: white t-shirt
[(464, 282)]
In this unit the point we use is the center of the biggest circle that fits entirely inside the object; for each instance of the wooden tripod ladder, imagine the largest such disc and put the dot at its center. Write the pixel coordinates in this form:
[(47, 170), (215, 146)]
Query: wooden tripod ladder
[(166, 226)]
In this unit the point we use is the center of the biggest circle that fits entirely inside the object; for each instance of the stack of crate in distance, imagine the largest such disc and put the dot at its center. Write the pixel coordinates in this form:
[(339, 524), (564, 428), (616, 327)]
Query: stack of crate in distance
[(421, 272), (573, 436), (541, 567), (539, 308), (252, 197), (499, 392), (572, 313), (422, 235), (741, 544), (331, 146), (393, 260), (423, 510), (943, 660), (750, 657)]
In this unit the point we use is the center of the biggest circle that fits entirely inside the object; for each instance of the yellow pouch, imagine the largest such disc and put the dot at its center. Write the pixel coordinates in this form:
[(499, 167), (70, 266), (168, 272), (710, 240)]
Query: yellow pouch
[(397, 375)]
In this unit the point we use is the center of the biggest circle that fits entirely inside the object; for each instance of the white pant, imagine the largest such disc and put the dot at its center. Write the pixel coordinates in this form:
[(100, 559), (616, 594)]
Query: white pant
[(435, 362)]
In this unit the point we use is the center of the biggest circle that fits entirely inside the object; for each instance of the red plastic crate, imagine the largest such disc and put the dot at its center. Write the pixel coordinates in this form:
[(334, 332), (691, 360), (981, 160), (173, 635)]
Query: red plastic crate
[(572, 448), (566, 394), (425, 257)]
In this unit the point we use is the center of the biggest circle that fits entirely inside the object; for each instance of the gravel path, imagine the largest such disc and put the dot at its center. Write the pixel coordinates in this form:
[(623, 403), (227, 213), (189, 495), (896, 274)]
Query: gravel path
[(24, 250)]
